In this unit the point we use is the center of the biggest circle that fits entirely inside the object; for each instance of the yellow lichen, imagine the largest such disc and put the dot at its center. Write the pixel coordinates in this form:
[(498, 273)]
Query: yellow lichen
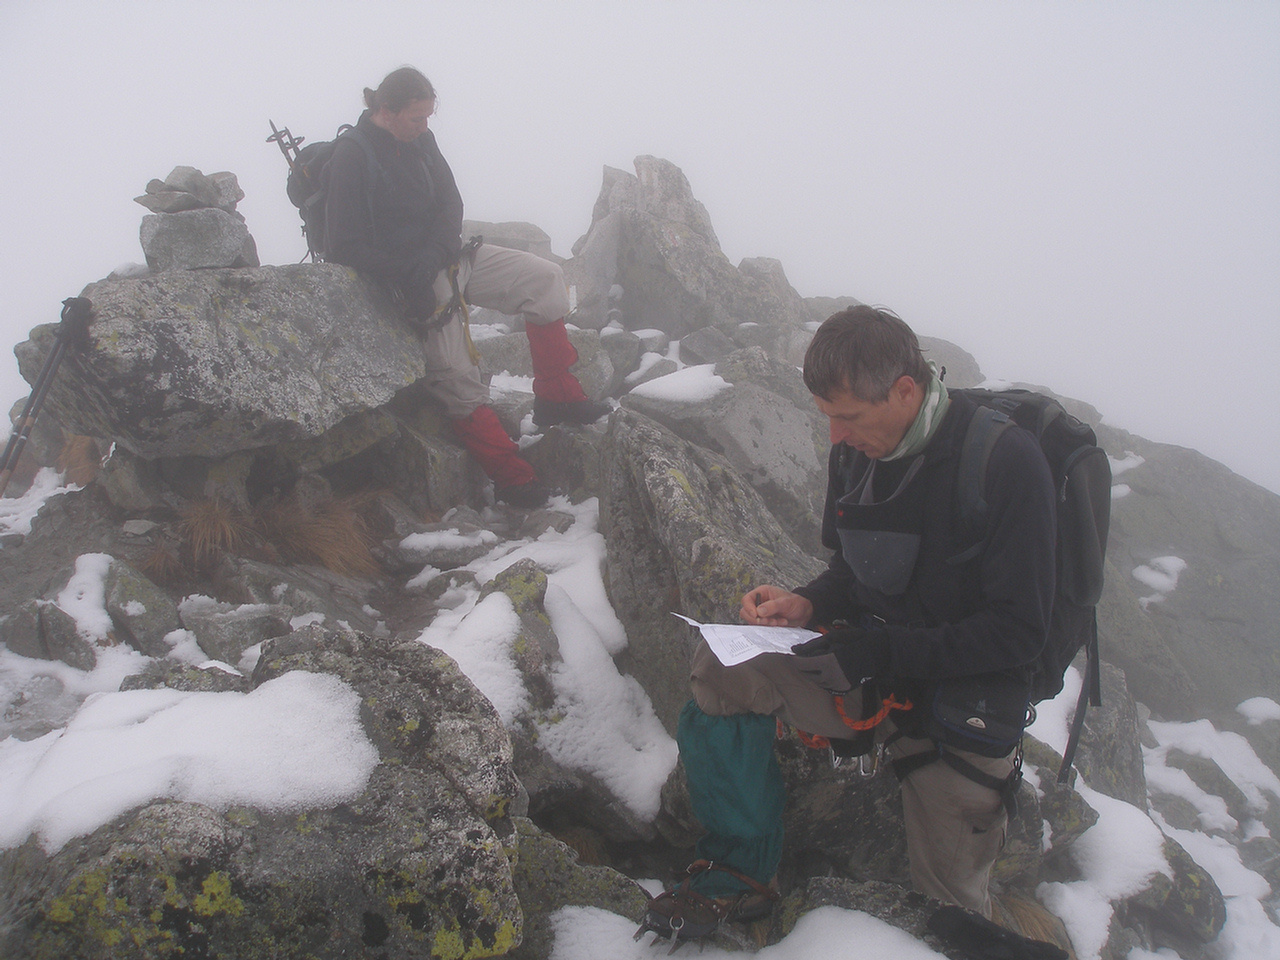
[(681, 479), (216, 897)]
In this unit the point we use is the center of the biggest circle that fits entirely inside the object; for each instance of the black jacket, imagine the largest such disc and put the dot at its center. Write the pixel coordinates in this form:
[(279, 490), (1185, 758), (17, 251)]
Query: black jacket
[(970, 606), (407, 220)]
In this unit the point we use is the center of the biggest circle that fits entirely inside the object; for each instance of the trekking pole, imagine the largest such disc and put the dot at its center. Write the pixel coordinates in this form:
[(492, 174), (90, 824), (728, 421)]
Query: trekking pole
[(287, 143), (72, 330)]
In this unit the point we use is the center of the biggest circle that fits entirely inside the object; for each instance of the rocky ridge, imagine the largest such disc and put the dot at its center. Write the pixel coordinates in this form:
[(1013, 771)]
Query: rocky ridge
[(278, 389)]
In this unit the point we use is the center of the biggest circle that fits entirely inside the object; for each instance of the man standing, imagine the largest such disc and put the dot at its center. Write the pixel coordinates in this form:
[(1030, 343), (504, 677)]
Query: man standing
[(915, 603), (393, 212)]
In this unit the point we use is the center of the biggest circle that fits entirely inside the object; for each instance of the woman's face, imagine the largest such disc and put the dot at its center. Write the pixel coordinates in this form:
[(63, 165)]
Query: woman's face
[(408, 124)]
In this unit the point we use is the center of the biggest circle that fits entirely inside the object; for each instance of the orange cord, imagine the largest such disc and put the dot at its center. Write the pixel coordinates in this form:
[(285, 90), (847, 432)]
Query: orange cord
[(816, 741)]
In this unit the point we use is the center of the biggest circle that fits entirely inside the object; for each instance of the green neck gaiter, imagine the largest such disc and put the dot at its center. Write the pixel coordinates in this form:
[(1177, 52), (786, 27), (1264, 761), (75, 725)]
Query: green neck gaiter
[(927, 420)]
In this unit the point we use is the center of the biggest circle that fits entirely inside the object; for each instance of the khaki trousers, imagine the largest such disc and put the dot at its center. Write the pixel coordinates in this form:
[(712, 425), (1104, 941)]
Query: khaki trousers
[(955, 828), (510, 281)]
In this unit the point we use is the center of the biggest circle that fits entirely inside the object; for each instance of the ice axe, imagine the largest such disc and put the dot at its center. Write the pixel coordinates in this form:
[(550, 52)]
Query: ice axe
[(72, 330)]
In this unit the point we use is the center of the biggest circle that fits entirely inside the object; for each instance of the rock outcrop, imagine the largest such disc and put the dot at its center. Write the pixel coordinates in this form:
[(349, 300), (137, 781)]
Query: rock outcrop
[(210, 362), (363, 876), (653, 241)]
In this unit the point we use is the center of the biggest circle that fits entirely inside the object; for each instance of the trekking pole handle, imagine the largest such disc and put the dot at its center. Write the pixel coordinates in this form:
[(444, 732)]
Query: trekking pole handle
[(77, 314)]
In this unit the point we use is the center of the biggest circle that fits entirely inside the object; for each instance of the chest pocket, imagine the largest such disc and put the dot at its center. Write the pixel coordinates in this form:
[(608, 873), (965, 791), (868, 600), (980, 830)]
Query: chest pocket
[(880, 541)]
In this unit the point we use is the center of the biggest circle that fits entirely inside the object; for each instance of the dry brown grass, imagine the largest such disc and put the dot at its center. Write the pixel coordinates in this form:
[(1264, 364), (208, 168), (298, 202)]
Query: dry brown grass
[(79, 460), (163, 566), (210, 528), (330, 533), (585, 842)]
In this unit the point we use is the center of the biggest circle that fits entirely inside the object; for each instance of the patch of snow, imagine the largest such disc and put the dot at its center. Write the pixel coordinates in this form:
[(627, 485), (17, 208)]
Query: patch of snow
[(294, 743), (510, 383), (433, 540), (248, 659), (1117, 858), (487, 331), (1258, 710), (1233, 754), (84, 597), (647, 360), (184, 648), (480, 637), (695, 384), (589, 933), (17, 513), (1129, 461), (1160, 575)]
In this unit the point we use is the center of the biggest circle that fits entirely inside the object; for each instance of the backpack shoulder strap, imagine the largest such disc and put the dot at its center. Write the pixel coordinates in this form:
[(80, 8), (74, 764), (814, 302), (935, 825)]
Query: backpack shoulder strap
[(372, 168), (371, 164), (985, 428), (1090, 693)]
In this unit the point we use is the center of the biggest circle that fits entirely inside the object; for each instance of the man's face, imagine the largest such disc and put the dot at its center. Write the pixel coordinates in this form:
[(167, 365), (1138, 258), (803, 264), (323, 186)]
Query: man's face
[(872, 428), (408, 124)]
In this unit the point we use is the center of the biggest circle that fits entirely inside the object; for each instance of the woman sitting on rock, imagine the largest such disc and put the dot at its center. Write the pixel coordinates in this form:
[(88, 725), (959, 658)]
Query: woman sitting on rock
[(393, 212)]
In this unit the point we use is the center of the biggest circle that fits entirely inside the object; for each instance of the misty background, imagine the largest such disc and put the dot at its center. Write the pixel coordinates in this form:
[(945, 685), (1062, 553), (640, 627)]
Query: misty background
[(1083, 195)]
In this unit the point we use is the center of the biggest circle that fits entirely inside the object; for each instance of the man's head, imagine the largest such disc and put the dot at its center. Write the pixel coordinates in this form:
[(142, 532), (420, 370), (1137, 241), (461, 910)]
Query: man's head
[(402, 104), (868, 377)]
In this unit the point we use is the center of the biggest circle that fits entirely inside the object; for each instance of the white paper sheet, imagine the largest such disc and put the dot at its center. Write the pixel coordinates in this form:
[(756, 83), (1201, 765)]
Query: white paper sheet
[(738, 642)]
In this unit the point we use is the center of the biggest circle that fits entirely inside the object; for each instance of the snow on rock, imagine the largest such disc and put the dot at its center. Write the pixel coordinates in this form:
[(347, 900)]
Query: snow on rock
[(1258, 710), (695, 384), (16, 513), (294, 743)]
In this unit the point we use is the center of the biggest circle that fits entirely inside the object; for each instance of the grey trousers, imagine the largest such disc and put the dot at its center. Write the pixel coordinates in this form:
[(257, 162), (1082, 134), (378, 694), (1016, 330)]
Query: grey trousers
[(955, 828), (510, 281)]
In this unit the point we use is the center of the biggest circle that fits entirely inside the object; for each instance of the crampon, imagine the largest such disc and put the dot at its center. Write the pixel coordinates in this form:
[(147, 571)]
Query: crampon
[(682, 915)]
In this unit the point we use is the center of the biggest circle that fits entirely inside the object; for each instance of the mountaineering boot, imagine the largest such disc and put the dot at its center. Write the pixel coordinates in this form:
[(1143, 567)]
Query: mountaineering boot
[(978, 938), (548, 413), (483, 435), (528, 495), (558, 397)]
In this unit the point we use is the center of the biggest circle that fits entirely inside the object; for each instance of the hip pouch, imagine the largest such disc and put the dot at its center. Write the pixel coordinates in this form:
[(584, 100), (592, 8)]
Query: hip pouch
[(983, 714)]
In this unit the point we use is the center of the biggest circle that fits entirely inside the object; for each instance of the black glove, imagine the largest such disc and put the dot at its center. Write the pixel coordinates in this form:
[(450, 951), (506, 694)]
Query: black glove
[(818, 660), (420, 294)]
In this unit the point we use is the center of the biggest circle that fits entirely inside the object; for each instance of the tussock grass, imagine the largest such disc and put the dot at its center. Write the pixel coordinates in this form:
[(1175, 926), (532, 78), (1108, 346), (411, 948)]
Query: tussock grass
[(330, 533), (163, 566), (210, 528)]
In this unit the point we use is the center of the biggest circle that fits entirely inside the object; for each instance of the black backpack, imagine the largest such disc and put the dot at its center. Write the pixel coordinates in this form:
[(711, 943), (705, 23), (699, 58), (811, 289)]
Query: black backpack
[(306, 183), (1082, 476)]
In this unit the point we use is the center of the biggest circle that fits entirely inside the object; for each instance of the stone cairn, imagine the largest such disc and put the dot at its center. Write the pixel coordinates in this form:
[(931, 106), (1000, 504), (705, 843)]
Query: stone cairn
[(193, 222)]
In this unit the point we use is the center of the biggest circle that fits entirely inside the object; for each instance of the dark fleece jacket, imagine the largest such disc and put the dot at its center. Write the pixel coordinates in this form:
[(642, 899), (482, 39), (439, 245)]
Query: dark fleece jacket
[(969, 608), (402, 218)]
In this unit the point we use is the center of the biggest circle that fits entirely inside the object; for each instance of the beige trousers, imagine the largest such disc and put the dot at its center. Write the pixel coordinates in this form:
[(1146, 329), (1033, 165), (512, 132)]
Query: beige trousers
[(955, 828), (510, 281)]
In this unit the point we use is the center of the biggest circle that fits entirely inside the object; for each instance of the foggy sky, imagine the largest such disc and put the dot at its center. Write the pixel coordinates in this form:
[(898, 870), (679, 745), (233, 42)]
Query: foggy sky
[(1082, 195)]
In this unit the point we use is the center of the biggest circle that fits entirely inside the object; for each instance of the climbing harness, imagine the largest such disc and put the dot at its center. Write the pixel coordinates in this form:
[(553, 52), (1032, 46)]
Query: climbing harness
[(457, 303)]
